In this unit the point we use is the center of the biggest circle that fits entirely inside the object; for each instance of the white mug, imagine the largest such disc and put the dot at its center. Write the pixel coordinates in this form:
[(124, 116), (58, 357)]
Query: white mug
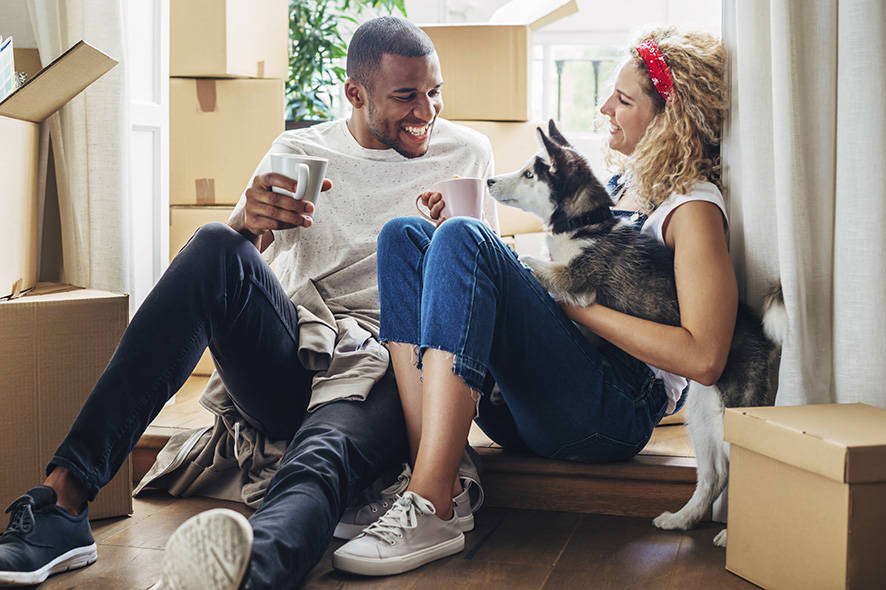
[(307, 171), (463, 198)]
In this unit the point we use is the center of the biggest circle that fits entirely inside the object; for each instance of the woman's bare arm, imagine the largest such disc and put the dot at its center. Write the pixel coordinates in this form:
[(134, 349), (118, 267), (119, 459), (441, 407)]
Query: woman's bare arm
[(708, 297)]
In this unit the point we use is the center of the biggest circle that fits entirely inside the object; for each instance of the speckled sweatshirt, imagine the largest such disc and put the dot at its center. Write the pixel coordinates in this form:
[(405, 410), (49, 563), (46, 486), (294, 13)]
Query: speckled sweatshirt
[(329, 269)]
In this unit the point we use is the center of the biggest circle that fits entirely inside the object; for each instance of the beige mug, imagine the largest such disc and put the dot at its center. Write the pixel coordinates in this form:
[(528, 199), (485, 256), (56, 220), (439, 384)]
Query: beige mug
[(463, 198), (307, 171)]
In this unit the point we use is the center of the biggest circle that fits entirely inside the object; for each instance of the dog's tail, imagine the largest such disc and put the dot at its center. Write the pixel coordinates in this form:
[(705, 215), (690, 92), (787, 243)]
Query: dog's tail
[(775, 317)]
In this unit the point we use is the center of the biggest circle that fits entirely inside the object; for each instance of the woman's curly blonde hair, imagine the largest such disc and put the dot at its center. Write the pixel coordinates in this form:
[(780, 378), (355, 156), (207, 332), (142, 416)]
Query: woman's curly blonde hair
[(681, 145)]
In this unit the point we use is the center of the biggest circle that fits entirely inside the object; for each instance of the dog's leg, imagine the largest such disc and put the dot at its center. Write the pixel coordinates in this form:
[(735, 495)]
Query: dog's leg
[(720, 539), (558, 281), (705, 421)]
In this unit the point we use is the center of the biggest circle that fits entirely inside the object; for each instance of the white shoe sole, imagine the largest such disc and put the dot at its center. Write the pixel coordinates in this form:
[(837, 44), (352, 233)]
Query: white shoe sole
[(367, 566), (347, 531), (209, 550), (73, 559)]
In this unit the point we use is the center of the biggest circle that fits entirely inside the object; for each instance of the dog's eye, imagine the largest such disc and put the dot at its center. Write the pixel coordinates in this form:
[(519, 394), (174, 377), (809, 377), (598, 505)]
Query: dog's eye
[(528, 174)]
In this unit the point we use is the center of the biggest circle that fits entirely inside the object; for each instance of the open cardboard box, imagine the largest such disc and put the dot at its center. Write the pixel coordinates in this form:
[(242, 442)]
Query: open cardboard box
[(486, 66), (807, 495), (20, 116)]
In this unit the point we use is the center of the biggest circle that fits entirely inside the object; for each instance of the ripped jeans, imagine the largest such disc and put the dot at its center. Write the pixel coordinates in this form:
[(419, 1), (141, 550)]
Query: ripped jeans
[(459, 289)]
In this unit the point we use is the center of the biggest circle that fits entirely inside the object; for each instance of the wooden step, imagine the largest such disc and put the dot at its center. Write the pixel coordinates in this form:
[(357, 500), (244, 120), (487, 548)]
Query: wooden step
[(661, 478)]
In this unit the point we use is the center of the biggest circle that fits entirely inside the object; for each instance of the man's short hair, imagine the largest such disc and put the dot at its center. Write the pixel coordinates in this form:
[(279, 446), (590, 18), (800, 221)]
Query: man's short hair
[(385, 34)]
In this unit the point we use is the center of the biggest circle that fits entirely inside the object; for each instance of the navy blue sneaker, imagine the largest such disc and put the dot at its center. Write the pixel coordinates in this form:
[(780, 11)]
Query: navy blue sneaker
[(43, 539)]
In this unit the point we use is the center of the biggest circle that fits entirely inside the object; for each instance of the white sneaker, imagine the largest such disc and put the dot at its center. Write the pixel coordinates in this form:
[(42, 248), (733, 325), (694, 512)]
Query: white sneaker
[(356, 518), (209, 550), (407, 536)]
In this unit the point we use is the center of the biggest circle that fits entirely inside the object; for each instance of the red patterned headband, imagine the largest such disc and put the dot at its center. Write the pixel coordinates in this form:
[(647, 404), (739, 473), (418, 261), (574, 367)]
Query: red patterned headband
[(658, 69)]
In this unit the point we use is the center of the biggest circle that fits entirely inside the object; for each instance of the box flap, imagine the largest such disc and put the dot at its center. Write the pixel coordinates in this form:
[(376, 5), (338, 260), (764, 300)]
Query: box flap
[(535, 13), (843, 442), (57, 83)]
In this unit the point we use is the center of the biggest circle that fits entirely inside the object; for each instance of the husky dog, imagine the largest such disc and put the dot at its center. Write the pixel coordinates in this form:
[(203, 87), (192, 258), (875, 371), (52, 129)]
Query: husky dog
[(597, 257)]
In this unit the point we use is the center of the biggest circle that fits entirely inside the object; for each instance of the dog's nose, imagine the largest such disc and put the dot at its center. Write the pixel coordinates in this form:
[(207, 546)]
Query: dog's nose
[(490, 181)]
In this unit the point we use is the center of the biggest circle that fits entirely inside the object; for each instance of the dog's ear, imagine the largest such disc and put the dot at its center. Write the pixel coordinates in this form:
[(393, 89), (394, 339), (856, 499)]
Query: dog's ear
[(556, 135), (549, 149), (543, 152)]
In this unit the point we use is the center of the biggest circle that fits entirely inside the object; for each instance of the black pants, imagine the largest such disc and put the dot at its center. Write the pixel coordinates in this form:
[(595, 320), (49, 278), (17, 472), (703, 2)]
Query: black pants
[(219, 292)]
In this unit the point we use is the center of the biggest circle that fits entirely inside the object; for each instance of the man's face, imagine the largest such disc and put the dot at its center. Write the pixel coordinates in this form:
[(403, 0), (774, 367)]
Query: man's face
[(403, 101)]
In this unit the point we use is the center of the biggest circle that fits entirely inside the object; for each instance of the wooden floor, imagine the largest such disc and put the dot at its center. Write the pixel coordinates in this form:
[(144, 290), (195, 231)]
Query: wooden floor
[(509, 549)]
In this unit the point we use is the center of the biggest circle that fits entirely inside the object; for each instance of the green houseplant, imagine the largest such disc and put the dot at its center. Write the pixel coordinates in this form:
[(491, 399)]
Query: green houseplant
[(316, 46)]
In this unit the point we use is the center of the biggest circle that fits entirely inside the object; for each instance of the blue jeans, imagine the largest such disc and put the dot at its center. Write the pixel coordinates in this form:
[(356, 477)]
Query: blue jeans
[(459, 289), (219, 292)]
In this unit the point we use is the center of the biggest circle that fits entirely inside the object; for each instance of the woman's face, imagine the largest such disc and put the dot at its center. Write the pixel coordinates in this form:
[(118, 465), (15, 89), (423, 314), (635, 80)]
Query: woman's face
[(629, 109)]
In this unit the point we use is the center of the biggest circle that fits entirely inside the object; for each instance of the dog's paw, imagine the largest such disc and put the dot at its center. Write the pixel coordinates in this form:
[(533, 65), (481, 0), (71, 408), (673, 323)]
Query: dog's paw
[(670, 521), (720, 539)]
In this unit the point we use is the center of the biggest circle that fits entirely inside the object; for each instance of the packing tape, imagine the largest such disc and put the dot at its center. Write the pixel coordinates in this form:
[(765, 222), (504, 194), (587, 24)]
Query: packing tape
[(205, 188), (206, 95), (260, 69)]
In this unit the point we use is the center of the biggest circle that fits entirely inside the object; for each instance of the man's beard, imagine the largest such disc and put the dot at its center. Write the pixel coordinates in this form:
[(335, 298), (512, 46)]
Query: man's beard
[(392, 142)]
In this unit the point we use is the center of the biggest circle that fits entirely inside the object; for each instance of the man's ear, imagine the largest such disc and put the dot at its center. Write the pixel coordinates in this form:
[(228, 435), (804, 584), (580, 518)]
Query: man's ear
[(356, 93)]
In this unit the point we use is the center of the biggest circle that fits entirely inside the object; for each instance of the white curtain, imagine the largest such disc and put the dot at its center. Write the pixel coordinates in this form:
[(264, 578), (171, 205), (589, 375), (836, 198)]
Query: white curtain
[(89, 144), (805, 167)]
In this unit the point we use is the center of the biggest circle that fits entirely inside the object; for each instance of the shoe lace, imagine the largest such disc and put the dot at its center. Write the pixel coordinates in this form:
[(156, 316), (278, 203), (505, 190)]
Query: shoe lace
[(21, 521), (402, 515), (398, 487), (387, 495)]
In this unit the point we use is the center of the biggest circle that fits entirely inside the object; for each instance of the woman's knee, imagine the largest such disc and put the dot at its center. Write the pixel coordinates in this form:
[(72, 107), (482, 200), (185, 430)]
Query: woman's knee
[(462, 230), (403, 235)]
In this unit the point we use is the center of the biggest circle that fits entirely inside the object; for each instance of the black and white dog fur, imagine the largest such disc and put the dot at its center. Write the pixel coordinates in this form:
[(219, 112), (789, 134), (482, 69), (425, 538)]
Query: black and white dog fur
[(598, 257)]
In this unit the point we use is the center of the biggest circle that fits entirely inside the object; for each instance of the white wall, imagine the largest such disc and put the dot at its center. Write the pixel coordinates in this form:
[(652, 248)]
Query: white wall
[(15, 23)]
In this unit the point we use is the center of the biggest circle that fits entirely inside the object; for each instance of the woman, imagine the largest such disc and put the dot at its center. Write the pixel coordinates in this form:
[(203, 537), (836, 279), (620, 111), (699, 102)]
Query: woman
[(458, 311)]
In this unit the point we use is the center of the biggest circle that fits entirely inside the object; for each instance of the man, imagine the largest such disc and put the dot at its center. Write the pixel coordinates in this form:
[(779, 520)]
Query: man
[(294, 347)]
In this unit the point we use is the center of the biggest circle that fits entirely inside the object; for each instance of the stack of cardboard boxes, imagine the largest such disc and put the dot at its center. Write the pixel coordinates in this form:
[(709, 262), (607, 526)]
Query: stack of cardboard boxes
[(56, 339), (486, 69), (228, 65)]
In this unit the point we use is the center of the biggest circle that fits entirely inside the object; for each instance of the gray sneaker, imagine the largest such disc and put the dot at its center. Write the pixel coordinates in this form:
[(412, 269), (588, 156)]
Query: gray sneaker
[(357, 518), (209, 550), (407, 536)]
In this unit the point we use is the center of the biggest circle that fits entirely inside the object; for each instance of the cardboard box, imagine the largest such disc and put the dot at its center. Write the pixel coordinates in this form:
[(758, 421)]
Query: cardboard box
[(183, 222), (229, 38), (807, 495), (27, 61), (513, 221), (56, 342), (512, 146), (20, 115), (486, 66), (219, 131)]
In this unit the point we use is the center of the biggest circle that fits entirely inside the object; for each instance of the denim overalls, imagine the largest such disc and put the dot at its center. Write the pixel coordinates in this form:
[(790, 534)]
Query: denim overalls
[(459, 289)]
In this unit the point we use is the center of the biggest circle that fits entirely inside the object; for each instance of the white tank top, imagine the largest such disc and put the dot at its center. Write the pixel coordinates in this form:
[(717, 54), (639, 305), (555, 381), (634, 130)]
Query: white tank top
[(702, 191)]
